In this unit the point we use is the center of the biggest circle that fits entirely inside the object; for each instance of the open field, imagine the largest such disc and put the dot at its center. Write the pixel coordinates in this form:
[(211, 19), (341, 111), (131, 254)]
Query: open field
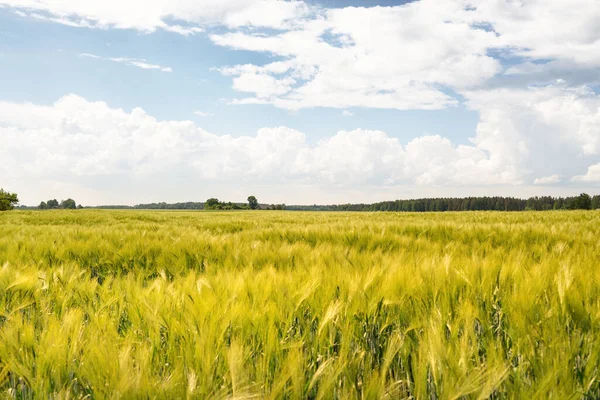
[(133, 304)]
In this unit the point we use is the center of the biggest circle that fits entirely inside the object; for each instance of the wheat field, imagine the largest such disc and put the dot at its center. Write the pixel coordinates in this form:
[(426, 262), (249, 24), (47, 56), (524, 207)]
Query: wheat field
[(174, 305)]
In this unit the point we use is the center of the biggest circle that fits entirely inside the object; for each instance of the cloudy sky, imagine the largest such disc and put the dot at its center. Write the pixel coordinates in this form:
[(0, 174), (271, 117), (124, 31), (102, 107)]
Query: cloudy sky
[(302, 102)]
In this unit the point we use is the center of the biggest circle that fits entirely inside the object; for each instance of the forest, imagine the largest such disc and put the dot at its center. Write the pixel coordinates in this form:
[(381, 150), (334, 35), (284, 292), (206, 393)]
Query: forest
[(582, 202)]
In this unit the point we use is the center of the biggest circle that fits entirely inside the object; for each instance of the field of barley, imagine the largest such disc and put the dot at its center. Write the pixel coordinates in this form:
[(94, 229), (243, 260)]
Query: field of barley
[(175, 305)]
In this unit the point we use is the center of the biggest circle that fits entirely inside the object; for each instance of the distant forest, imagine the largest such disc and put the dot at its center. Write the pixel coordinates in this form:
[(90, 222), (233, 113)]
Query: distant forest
[(581, 202)]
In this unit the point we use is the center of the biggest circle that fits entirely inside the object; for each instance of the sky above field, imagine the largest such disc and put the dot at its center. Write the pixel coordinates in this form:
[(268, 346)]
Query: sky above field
[(298, 102)]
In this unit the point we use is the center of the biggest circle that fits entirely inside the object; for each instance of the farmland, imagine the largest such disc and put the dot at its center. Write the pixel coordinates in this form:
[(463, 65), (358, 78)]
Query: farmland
[(139, 304)]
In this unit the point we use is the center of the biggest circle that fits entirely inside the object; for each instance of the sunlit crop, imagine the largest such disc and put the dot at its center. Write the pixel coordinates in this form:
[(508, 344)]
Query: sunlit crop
[(133, 304)]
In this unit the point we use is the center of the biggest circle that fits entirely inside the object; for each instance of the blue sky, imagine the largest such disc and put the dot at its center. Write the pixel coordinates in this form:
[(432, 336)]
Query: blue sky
[(354, 104)]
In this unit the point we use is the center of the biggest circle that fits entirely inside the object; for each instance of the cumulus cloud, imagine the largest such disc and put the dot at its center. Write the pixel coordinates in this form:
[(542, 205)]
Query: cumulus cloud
[(202, 114), (434, 160), (139, 63), (74, 139), (353, 158), (537, 132), (356, 57), (592, 175), (413, 56), (547, 180)]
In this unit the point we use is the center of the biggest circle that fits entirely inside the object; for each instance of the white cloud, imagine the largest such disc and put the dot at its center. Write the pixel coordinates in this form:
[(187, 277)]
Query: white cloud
[(203, 114), (184, 16), (405, 57), (412, 56), (356, 57), (76, 143), (77, 140), (537, 132), (547, 180), (347, 113), (592, 175), (433, 160), (351, 158), (140, 63), (262, 85), (545, 29)]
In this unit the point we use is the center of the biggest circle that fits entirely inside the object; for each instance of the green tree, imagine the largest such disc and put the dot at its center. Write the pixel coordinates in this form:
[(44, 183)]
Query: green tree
[(582, 202), (558, 204), (43, 206), (212, 203), (7, 200), (68, 204), (52, 203), (252, 202), (595, 202)]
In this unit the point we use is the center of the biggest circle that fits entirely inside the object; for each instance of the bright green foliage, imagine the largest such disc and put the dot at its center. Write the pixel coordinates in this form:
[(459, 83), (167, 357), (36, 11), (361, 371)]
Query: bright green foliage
[(212, 203), (7, 200), (128, 304), (215, 204)]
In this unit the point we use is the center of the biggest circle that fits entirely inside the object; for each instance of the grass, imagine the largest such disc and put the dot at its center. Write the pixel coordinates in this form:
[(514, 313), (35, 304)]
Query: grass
[(132, 304)]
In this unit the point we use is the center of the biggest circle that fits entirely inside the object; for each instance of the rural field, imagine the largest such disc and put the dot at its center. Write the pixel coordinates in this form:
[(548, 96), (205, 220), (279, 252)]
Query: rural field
[(175, 305)]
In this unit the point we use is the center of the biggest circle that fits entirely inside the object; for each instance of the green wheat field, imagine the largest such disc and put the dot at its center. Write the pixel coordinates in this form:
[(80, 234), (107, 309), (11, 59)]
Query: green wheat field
[(175, 305)]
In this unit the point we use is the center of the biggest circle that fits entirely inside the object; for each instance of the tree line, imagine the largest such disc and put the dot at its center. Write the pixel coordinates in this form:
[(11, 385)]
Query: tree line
[(210, 204), (581, 202), (497, 203)]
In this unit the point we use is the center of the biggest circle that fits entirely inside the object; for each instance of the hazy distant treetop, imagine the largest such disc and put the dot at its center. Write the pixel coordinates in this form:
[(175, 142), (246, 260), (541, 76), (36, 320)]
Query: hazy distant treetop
[(68, 204)]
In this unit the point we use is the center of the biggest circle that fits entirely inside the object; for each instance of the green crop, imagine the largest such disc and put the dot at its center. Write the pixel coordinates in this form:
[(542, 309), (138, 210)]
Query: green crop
[(133, 304)]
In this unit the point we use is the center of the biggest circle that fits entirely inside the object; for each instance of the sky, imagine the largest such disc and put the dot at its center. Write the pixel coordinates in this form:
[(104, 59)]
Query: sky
[(298, 102)]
